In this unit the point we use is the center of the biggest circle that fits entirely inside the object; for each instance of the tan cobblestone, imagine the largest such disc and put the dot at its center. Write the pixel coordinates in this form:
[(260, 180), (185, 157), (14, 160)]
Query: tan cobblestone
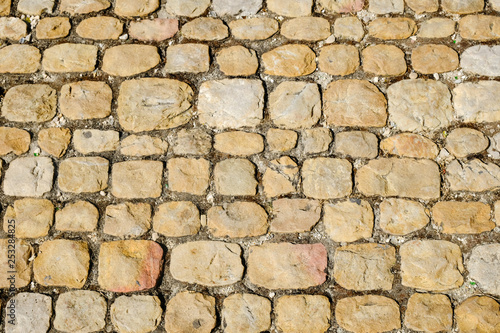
[(392, 28), (139, 59), (326, 178), (479, 27), (456, 217), (246, 313), (235, 177), (54, 140), (33, 217), (127, 219), (30, 103), (83, 7), (4, 7), (135, 7), (137, 179), (136, 313), (85, 100), (80, 311), (22, 266), (14, 140), (291, 9), (192, 142), (386, 6), (342, 6), (189, 8), (316, 140), (33, 312), (143, 145), (294, 215), (255, 28), (438, 27), (29, 177), (79, 216), (157, 30), (177, 219), (300, 313), (338, 59), (433, 58), (423, 6), (186, 308), (306, 28), (83, 174), (12, 28), (279, 177), (385, 60), (356, 144), (188, 175), (187, 58), (95, 141), (348, 221), (236, 7), (349, 28), (69, 57), (409, 145), (401, 217), (429, 313), (289, 60), (19, 59), (100, 27), (473, 175), (205, 29), (53, 27), (239, 143), (478, 313), (462, 142), (35, 7), (281, 140), (237, 61), (237, 219), (462, 7)]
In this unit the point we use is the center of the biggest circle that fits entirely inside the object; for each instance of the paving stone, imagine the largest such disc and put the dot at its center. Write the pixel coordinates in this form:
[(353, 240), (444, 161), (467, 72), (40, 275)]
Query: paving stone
[(364, 266), (437, 27), (484, 267), (83, 174), (481, 60), (157, 30), (477, 102), (366, 108), (429, 313), (433, 58), (54, 140), (479, 27), (19, 59), (306, 28), (95, 141), (478, 314), (280, 176), (177, 219), (368, 314), (4, 7), (80, 311), (135, 7), (192, 142), (289, 60), (231, 103), (127, 219), (294, 215), (495, 5), (85, 100), (342, 6), (295, 105), (149, 104), (290, 8), (187, 58), (348, 27), (22, 266), (237, 61), (463, 142), (298, 266), (83, 7), (237, 219), (190, 312), (33, 217), (385, 60), (462, 7), (423, 6), (53, 27), (62, 263), (100, 27), (399, 177), (14, 140), (35, 7), (236, 7), (78, 216), (139, 59), (316, 140), (348, 221), (136, 313), (189, 8), (12, 28), (473, 175), (129, 265), (409, 145), (68, 57), (326, 178), (494, 147), (246, 313), (235, 177), (239, 143), (206, 29), (302, 313), (143, 145), (455, 217), (137, 179), (392, 28), (338, 59), (29, 177), (29, 103), (188, 175), (401, 216), (386, 6), (356, 144), (420, 105), (32, 313), (255, 28), (209, 263), (281, 140)]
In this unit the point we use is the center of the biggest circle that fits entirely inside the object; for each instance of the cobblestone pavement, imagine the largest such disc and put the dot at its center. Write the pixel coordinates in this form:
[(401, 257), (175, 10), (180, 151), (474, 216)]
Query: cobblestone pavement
[(249, 165)]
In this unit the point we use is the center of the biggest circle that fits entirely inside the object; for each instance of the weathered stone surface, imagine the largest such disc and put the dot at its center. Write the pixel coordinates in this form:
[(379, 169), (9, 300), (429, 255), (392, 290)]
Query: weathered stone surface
[(349, 27), (12, 28), (14, 140), (326, 178), (302, 313), (496, 213), (62, 263), (420, 105), (306, 28), (80, 311), (231, 103), (136, 313), (95, 141), (364, 108), (294, 215), (434, 58), (152, 104), (237, 219), (423, 6), (280, 176), (495, 5), (462, 7), (289, 60), (137, 179), (479, 27), (29, 177), (19, 59), (100, 27), (189, 8), (357, 144), (481, 60), (135, 7), (139, 59), (79, 216), (32, 313), (386, 6), (316, 140), (236, 7), (255, 28), (239, 143), (5, 7), (53, 27), (338, 59), (143, 145), (400, 177), (35, 7), (83, 174), (484, 267), (177, 219), (286, 265), (246, 313), (192, 142), (208, 263), (54, 140), (22, 265), (342, 6), (392, 28), (156, 30), (473, 176), (127, 219), (494, 147), (290, 8), (188, 175), (409, 145), (437, 27), (83, 7), (463, 142), (385, 60), (281, 140), (189, 58), (477, 102), (429, 313), (206, 29), (129, 265), (235, 177), (190, 312), (33, 217), (68, 57), (456, 217), (85, 100), (478, 314), (348, 221), (237, 61), (368, 314), (401, 217), (30, 103)]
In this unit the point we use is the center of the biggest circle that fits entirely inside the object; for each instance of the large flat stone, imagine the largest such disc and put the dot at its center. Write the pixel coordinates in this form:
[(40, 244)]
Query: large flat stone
[(29, 177), (83, 174), (477, 102)]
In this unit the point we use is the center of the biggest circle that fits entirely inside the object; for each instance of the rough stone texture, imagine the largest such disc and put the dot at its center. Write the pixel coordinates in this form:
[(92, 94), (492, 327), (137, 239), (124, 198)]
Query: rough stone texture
[(53, 27), (19, 59), (255, 28), (348, 27), (188, 175), (83, 174), (480, 27), (189, 8), (139, 59), (364, 266), (429, 313), (206, 29), (4, 7), (68, 57), (33, 312), (401, 217), (235, 177), (32, 217), (438, 27), (306, 28), (208, 263), (302, 313), (356, 144), (463, 142), (456, 217), (135, 7), (294, 215), (35, 7), (190, 312), (279, 177), (137, 179), (368, 314), (286, 265), (316, 140), (127, 219), (484, 267), (239, 143), (14, 140), (290, 60), (348, 221), (478, 314), (392, 28), (246, 313), (177, 219), (80, 311), (409, 145), (95, 141), (136, 313), (237, 219), (473, 176), (236, 7), (22, 266), (79, 216), (462, 7), (192, 142), (100, 27), (85, 100), (143, 145), (281, 140), (190, 58), (433, 58), (423, 6), (481, 60), (12, 28), (342, 6), (338, 59), (385, 60), (83, 7), (237, 61), (157, 30), (326, 178), (29, 177), (29, 103), (477, 102), (494, 147), (290, 8), (54, 140)]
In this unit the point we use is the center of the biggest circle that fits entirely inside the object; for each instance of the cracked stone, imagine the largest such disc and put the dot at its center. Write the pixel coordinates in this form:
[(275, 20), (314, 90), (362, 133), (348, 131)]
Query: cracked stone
[(473, 176), (127, 219), (54, 141), (401, 216), (29, 177), (280, 176), (409, 145), (294, 215), (348, 221)]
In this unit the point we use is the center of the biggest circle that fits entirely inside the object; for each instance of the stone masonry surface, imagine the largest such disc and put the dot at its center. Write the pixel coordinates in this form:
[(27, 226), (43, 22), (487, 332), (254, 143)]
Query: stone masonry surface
[(284, 166)]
